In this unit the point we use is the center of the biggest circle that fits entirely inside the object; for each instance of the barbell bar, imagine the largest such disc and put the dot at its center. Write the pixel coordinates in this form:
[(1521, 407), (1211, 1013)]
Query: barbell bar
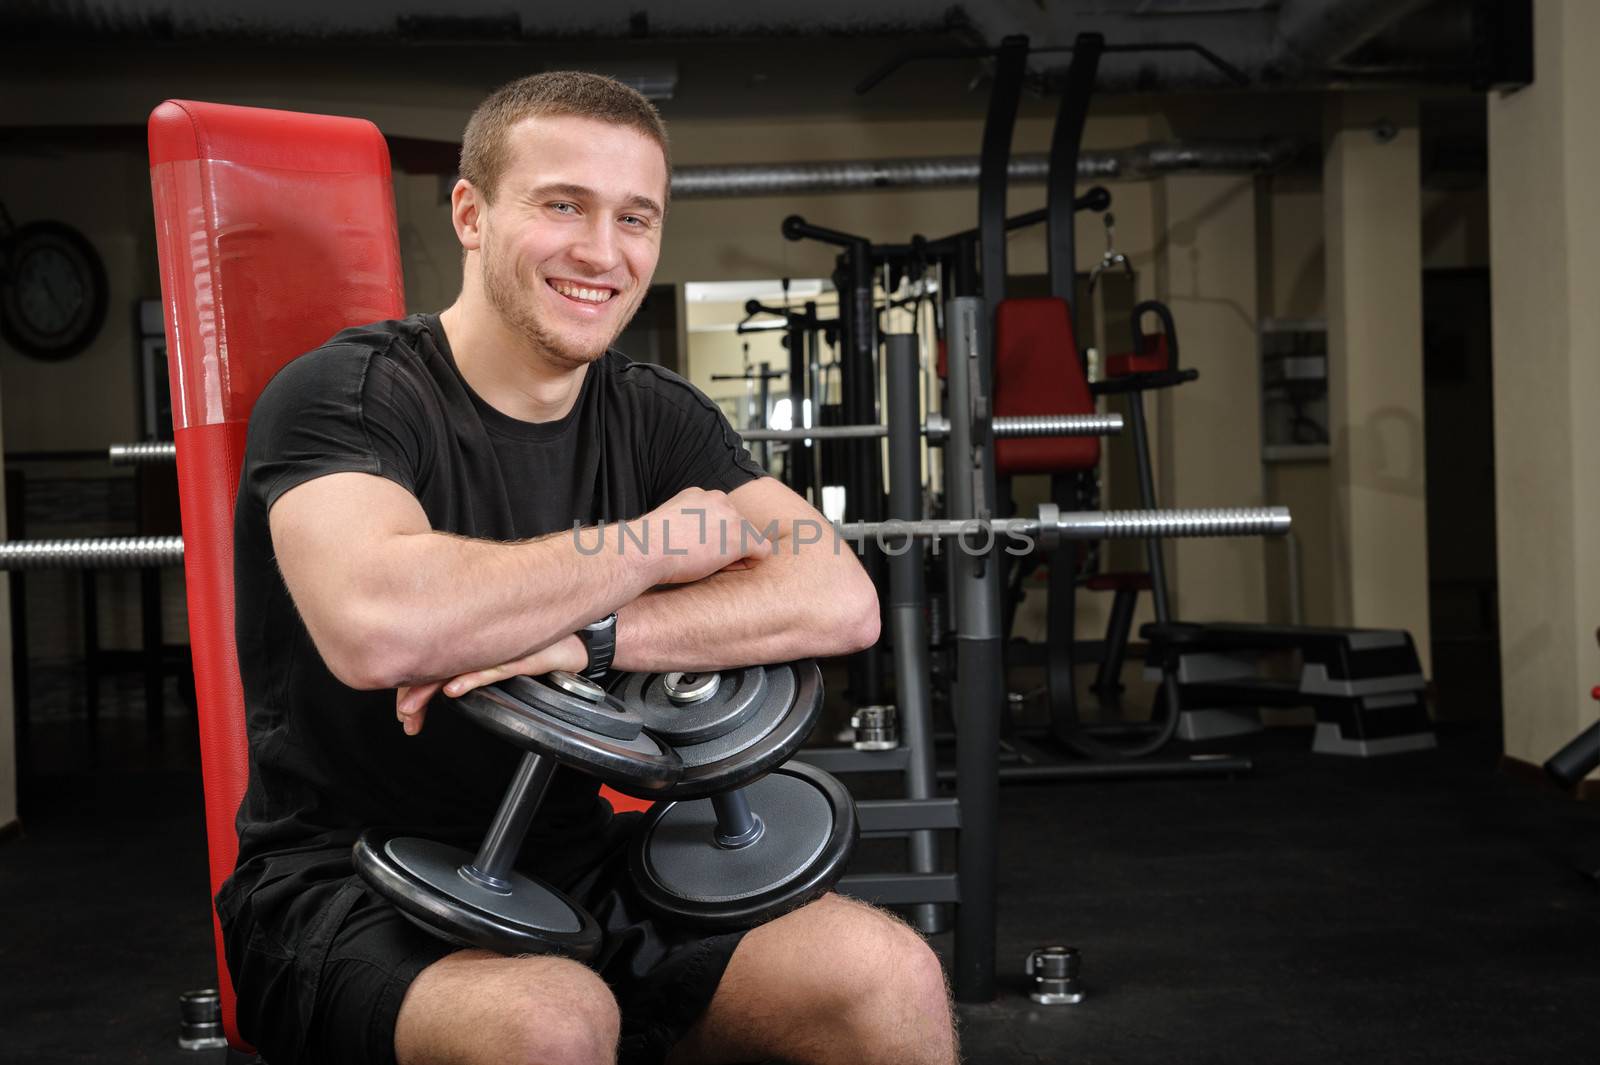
[(1051, 525), (148, 452), (97, 552), (937, 428)]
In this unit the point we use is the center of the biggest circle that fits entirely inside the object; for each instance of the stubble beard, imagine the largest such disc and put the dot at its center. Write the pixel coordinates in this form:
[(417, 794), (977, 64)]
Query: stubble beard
[(514, 305)]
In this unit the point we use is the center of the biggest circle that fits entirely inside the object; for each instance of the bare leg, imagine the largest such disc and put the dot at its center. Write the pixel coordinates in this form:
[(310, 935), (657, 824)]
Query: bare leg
[(476, 1007), (834, 981)]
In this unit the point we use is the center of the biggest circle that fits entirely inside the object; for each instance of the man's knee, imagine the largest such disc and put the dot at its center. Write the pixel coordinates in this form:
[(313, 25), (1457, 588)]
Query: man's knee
[(573, 1018), (889, 993), (888, 967), (508, 1011)]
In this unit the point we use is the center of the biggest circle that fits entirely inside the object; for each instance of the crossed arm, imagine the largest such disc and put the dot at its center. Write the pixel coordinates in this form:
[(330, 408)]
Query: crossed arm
[(390, 603)]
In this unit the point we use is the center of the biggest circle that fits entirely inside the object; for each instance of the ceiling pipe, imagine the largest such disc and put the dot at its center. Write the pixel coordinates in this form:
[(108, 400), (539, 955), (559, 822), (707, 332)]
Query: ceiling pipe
[(1313, 35), (1138, 162)]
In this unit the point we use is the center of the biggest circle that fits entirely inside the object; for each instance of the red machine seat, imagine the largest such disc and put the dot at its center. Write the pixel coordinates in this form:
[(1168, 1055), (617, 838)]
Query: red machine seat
[(1155, 358), (274, 230), (1037, 371)]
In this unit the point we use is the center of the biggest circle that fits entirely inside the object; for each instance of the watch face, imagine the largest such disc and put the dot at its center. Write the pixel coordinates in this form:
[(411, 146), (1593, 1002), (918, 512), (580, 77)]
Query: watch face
[(53, 300)]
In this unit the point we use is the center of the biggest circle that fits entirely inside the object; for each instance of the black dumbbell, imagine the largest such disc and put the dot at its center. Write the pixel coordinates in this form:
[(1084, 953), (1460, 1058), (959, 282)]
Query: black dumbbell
[(740, 838), (479, 900)]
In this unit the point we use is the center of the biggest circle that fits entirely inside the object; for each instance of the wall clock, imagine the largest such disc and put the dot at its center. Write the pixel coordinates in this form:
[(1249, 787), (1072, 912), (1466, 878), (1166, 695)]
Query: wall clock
[(52, 290)]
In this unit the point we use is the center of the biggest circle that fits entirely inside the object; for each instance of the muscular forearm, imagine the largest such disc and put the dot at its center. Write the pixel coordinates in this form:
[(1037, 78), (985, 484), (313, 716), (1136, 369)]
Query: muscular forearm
[(451, 605), (794, 604), (390, 602)]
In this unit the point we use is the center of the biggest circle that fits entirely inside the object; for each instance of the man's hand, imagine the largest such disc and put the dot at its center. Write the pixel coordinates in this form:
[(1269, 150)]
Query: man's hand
[(694, 534), (411, 702)]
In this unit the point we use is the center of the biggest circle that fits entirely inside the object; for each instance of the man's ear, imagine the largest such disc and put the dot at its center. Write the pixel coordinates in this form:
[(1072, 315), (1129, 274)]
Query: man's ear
[(466, 214)]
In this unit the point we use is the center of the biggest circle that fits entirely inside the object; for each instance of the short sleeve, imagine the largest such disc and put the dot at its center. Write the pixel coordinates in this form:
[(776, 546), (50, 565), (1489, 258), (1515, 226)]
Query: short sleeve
[(338, 409), (692, 444)]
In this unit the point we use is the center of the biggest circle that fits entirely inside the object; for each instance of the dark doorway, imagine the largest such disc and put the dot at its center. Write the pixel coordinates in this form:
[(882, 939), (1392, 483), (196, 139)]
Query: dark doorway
[(652, 336), (1458, 400)]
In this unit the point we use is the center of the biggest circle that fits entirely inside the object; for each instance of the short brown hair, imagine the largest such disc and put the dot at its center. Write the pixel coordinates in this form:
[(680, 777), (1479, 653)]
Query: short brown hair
[(557, 92)]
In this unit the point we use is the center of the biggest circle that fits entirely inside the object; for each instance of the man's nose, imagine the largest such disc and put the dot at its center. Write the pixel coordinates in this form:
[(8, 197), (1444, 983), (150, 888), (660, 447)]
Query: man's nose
[(597, 245)]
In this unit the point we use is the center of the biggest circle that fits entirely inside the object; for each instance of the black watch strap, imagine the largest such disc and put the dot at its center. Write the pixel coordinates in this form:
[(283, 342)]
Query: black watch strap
[(600, 637)]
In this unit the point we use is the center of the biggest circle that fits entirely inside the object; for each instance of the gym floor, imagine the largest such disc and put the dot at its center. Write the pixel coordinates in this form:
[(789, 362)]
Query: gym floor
[(1419, 908)]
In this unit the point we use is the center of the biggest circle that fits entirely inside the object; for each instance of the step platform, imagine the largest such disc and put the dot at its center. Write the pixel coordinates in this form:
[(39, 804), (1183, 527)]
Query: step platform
[(1366, 685)]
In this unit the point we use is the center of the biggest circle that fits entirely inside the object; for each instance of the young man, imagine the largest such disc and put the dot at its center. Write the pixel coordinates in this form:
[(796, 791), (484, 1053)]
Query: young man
[(405, 524)]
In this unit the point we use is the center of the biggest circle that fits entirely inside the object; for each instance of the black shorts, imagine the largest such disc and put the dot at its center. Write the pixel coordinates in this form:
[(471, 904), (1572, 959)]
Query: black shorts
[(329, 992)]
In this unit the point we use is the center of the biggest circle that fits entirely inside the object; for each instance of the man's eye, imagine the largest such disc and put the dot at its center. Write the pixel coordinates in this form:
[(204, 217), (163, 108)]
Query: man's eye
[(564, 208), (634, 220)]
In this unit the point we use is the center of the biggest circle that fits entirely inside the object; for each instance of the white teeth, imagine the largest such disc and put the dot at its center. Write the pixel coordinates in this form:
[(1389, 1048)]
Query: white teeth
[(587, 295)]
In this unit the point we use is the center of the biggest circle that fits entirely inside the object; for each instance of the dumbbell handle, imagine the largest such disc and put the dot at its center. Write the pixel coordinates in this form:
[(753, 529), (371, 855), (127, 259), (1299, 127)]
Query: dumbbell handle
[(501, 844), (737, 824)]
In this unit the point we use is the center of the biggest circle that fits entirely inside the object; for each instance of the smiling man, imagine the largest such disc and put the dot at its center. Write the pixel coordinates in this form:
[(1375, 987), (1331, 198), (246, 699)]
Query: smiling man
[(405, 524)]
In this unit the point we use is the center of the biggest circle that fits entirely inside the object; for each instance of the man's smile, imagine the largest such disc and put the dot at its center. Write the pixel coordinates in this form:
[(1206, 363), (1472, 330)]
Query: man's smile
[(591, 295)]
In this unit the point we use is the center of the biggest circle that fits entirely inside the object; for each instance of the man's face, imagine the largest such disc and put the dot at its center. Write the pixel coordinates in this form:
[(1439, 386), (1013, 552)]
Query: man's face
[(568, 247)]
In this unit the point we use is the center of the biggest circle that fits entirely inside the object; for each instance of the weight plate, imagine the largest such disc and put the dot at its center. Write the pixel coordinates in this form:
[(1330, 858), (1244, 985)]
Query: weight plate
[(641, 765), (422, 878), (735, 700), (791, 701), (809, 833), (557, 696)]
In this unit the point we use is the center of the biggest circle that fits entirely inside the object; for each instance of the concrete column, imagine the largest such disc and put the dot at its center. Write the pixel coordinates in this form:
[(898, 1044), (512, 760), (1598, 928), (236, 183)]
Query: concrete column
[(1209, 442), (1373, 220), (1544, 238)]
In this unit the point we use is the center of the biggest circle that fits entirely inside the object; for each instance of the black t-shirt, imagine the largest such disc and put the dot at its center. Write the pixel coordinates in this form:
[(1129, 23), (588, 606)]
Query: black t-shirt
[(327, 761)]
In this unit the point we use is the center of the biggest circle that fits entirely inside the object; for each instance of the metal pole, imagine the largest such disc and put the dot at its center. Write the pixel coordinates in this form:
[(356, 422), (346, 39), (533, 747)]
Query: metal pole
[(795, 468), (864, 492), (1009, 67), (1065, 142), (907, 598), (819, 397), (764, 398), (979, 681), (1147, 496)]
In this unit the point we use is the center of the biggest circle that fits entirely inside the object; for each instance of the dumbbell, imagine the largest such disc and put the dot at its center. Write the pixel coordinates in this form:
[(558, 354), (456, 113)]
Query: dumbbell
[(740, 838), (479, 900)]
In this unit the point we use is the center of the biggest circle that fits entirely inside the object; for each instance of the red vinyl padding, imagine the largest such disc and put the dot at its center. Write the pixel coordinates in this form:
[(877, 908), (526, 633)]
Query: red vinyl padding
[(1037, 371), (622, 803), (1153, 359), (274, 231)]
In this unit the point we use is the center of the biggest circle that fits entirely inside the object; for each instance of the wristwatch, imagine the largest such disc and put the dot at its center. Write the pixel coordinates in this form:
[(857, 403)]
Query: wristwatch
[(600, 637)]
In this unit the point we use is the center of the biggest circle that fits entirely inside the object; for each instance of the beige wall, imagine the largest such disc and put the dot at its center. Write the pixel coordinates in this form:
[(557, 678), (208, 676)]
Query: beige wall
[(1211, 428), (1292, 284), (87, 401), (1544, 150), (1372, 206), (1455, 234)]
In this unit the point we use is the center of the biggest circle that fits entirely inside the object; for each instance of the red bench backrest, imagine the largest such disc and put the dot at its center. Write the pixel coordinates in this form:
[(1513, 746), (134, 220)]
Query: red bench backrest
[(274, 231)]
